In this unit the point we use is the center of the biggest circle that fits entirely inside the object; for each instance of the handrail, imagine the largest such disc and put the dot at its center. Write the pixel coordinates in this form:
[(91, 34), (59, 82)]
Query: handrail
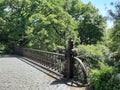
[(54, 61), (80, 69), (44, 51), (82, 65)]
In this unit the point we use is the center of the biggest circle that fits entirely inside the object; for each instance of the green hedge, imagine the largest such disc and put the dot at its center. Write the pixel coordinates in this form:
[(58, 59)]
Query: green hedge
[(104, 78), (93, 54)]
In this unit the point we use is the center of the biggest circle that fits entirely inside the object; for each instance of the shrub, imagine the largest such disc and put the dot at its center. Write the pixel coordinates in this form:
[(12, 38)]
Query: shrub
[(92, 54), (115, 59), (2, 47), (104, 78)]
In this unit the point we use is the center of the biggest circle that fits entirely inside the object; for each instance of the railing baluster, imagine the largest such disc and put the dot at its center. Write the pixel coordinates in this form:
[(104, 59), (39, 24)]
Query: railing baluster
[(57, 62)]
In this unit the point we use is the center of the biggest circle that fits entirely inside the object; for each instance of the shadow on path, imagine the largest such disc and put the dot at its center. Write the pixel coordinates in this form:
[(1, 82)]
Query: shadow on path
[(58, 81)]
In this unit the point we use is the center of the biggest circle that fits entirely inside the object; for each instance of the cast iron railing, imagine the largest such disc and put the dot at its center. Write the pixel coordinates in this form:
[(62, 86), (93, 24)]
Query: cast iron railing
[(69, 64), (54, 61)]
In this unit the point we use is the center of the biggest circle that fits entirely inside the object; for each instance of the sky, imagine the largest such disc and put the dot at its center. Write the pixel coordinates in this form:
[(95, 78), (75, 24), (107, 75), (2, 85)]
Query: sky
[(103, 6)]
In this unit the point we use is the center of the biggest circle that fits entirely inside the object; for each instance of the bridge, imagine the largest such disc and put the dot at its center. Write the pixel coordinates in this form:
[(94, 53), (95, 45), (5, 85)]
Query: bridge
[(42, 70)]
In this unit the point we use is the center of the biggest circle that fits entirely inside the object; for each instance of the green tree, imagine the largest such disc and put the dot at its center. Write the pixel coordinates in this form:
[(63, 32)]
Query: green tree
[(37, 23), (3, 32), (91, 23), (115, 31), (51, 27), (47, 24), (15, 18), (114, 34), (91, 26)]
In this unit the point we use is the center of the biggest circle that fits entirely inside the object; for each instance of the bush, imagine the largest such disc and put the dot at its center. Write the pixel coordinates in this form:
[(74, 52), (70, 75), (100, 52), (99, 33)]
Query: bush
[(104, 78), (93, 54), (115, 59), (2, 47)]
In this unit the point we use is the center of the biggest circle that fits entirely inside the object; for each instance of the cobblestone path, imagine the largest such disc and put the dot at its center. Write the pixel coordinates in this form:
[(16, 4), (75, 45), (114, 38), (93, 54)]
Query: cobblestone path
[(18, 75)]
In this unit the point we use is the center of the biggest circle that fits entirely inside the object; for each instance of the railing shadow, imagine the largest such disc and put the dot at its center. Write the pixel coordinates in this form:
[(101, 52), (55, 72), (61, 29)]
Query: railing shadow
[(40, 67), (58, 81), (71, 67)]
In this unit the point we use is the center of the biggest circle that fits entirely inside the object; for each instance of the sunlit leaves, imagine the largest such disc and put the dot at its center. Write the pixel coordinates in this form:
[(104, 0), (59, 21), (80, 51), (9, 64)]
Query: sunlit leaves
[(47, 24), (92, 25)]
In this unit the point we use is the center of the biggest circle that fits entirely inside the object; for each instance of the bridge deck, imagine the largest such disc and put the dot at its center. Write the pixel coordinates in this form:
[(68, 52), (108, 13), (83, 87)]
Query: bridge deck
[(18, 75)]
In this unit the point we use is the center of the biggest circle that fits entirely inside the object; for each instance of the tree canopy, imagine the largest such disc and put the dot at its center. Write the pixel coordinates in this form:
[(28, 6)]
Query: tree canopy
[(47, 24), (114, 33)]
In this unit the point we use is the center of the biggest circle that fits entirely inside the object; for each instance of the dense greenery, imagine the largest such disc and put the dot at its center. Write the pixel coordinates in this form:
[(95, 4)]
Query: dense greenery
[(105, 78), (93, 54), (91, 26), (114, 35), (47, 25)]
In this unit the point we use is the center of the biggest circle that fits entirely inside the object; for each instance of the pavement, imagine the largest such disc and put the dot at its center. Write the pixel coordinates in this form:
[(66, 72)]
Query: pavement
[(15, 74)]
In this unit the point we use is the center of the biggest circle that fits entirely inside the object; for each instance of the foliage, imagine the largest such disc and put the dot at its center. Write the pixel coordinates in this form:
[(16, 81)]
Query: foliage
[(47, 24), (114, 35), (3, 32), (51, 29), (105, 78), (91, 25), (93, 54), (115, 15), (114, 38), (13, 13), (37, 24), (2, 47)]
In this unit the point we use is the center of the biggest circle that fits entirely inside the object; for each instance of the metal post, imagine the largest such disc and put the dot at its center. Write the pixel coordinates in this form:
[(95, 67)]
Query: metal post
[(69, 54)]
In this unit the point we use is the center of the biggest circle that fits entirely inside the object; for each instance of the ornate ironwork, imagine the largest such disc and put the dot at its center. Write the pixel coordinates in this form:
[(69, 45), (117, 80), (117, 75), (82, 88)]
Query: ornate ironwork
[(75, 69), (54, 61), (80, 73), (69, 54), (69, 65)]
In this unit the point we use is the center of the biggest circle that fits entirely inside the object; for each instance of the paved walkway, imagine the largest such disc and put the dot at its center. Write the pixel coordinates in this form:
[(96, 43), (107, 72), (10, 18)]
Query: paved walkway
[(18, 75)]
